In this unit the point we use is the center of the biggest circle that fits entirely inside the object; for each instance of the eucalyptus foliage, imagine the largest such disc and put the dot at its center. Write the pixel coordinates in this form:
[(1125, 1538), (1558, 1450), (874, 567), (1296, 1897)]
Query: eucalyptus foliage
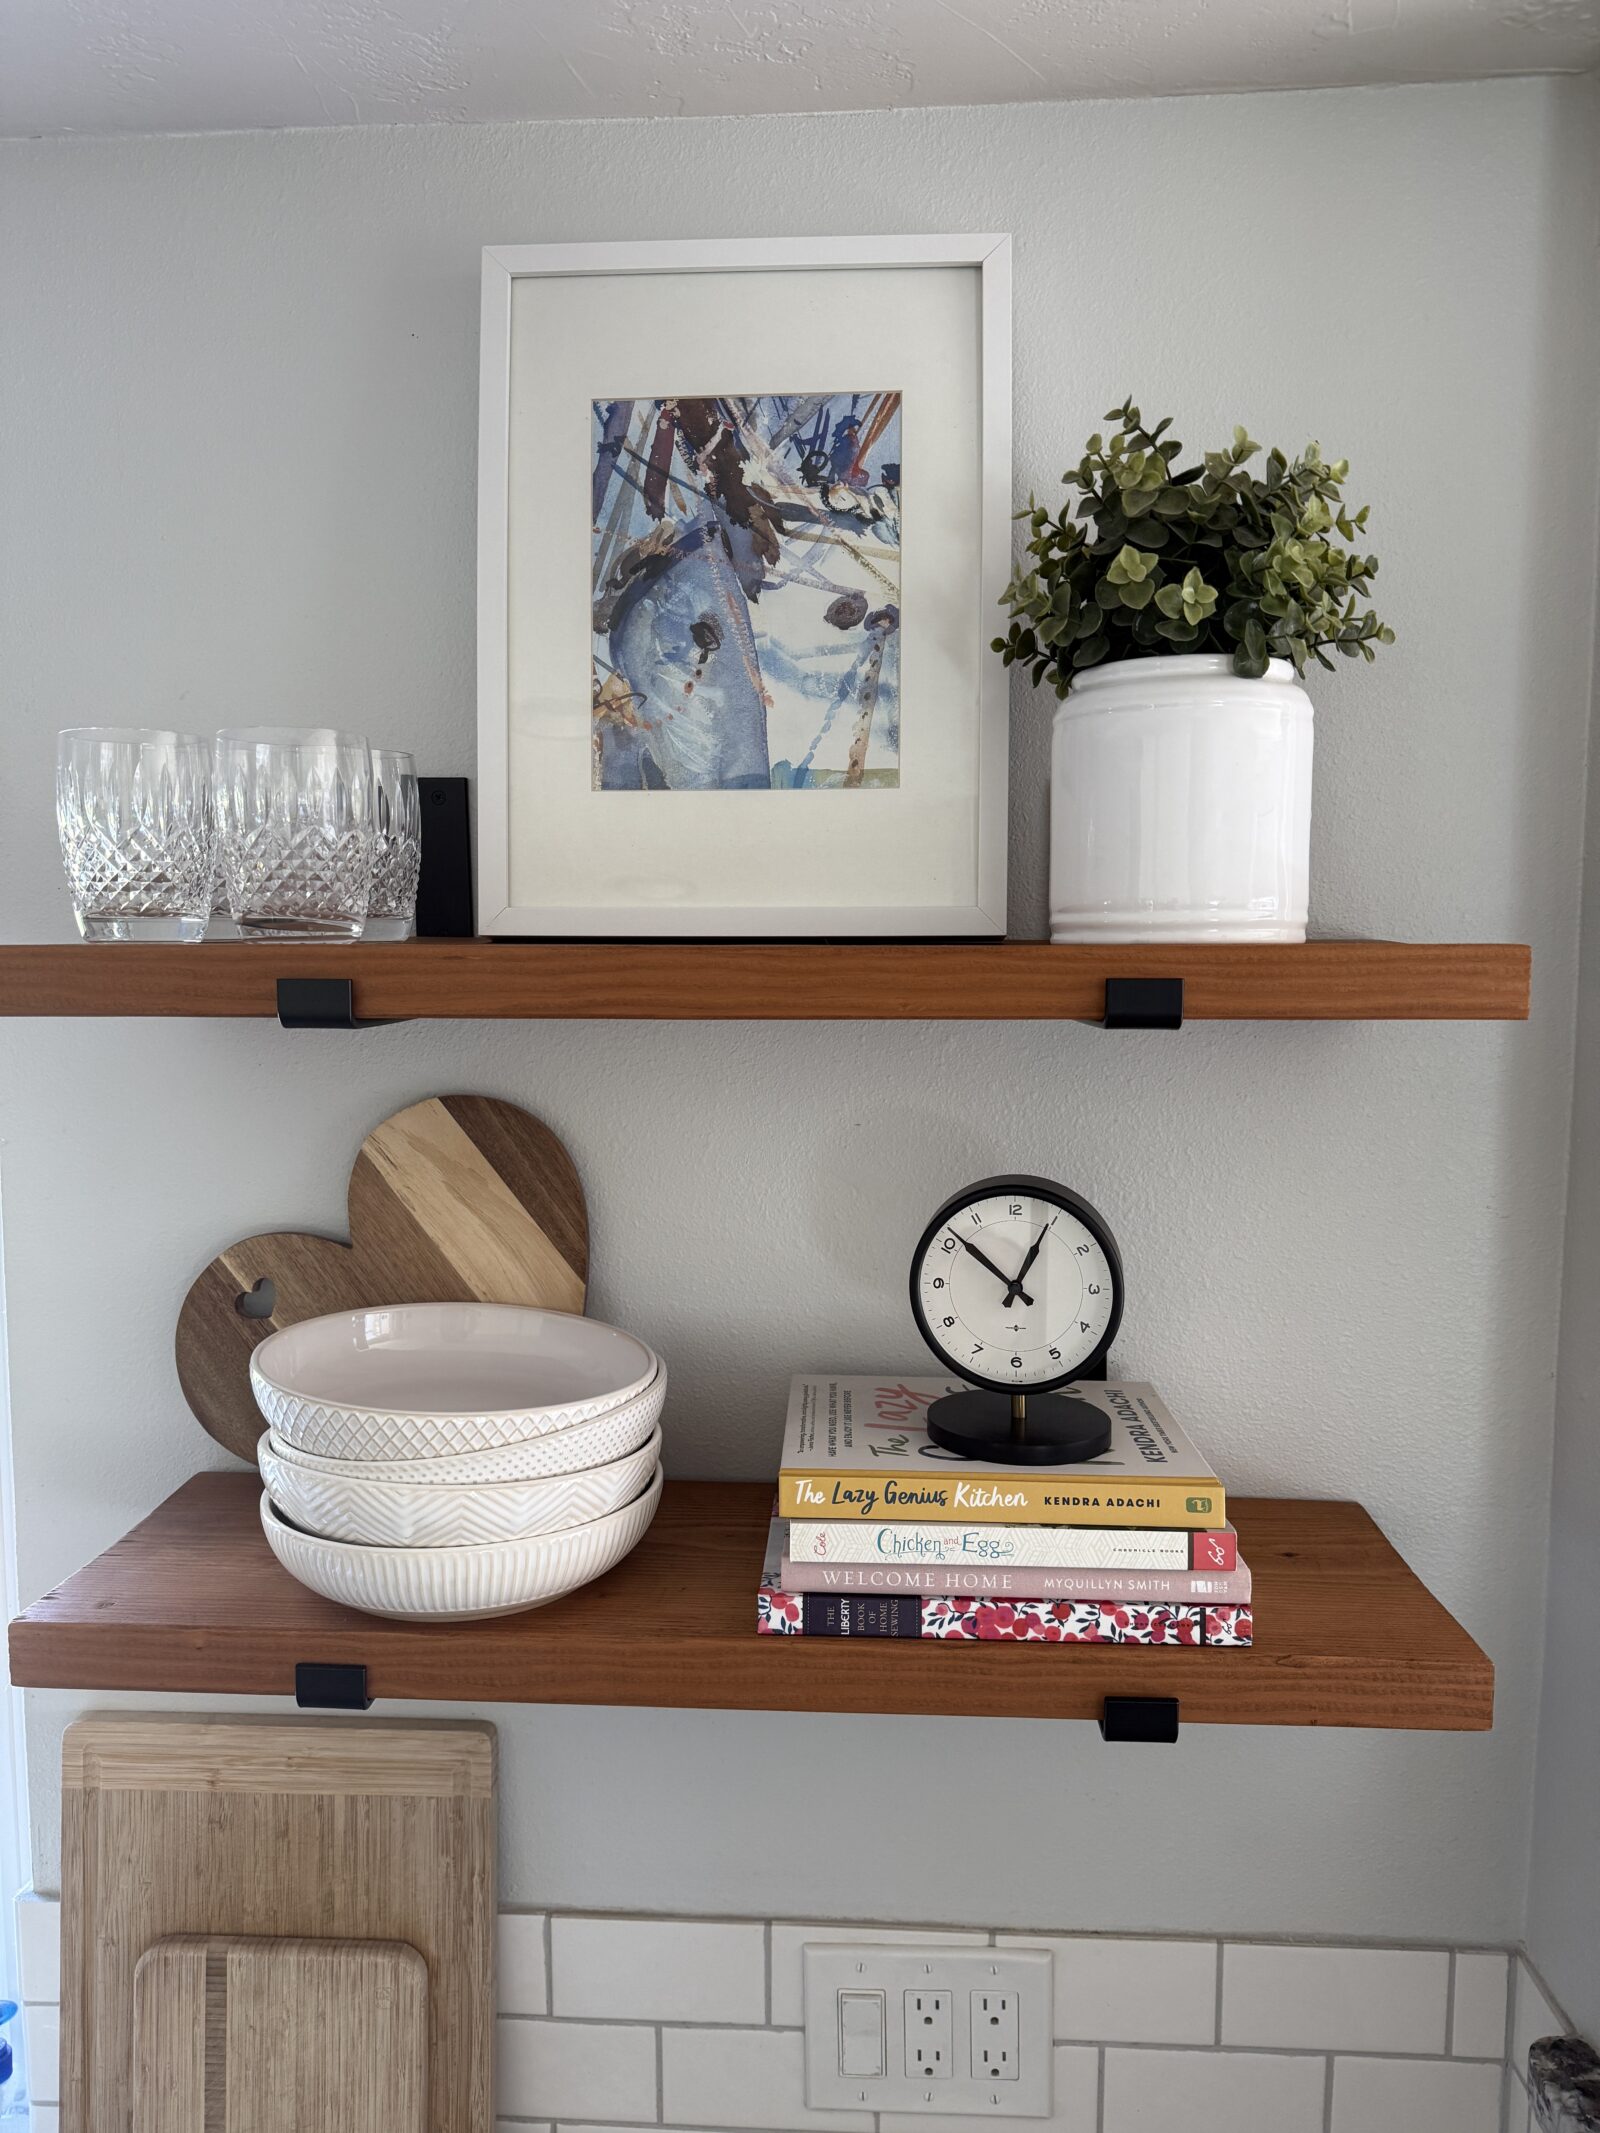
[(1207, 558)]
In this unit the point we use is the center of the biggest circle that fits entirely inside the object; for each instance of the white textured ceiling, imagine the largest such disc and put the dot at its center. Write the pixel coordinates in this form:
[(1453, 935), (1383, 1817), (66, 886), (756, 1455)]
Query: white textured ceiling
[(114, 66)]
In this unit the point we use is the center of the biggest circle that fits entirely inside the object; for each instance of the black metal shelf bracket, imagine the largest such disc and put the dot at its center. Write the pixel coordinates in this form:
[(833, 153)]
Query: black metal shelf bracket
[(1140, 1718), (317, 1003), (1144, 1003), (331, 1688)]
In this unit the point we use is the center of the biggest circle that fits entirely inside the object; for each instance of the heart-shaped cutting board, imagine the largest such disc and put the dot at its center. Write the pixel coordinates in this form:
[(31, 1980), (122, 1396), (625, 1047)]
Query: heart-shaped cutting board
[(458, 1199)]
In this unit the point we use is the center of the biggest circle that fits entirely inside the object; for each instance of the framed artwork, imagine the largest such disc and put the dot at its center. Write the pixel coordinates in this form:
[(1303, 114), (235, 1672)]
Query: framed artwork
[(744, 518)]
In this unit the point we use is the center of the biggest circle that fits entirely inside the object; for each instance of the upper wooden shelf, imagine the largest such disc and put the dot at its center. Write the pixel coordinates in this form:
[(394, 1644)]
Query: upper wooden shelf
[(765, 981), (192, 1600)]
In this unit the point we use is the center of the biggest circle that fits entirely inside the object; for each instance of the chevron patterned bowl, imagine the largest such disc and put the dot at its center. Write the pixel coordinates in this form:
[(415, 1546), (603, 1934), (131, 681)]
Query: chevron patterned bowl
[(420, 1381), (610, 1436), (459, 1584), (400, 1514)]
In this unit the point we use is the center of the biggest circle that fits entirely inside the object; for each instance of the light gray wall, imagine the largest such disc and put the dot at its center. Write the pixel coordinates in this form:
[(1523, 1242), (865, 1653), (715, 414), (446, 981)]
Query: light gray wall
[(1564, 1889), (239, 483)]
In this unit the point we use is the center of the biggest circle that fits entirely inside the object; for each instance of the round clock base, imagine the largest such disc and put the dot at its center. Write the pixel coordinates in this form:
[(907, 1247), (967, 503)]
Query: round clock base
[(1050, 1432)]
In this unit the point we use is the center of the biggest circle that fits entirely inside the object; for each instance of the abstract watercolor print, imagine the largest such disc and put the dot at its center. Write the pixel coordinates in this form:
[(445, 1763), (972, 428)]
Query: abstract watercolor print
[(746, 580)]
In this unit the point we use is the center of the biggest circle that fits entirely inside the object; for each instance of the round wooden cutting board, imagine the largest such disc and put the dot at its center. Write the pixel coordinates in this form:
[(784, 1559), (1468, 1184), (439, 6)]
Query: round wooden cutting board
[(453, 1200)]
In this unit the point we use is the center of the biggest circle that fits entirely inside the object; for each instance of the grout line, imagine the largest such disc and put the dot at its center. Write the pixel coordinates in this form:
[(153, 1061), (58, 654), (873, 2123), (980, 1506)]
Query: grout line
[(1450, 2008), (549, 1962), (743, 2029), (1100, 2093), (1327, 2097), (766, 1968), (1216, 2036), (661, 2077), (1263, 2051)]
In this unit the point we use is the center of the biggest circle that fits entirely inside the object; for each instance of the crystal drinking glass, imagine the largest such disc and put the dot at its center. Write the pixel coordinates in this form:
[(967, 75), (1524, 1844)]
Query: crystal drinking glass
[(138, 836), (397, 823), (295, 831)]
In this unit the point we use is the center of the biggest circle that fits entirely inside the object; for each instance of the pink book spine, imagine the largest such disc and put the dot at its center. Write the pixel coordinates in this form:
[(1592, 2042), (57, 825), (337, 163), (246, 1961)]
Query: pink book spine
[(1117, 1587)]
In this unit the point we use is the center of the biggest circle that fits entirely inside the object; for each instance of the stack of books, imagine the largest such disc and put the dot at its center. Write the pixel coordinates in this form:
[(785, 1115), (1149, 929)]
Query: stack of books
[(879, 1532)]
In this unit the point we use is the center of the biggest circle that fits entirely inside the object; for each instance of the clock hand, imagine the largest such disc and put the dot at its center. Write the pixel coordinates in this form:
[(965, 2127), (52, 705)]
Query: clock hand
[(1014, 1288), (983, 1259)]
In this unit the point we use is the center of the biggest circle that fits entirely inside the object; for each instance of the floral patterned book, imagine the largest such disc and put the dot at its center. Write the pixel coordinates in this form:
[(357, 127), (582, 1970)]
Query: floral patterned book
[(975, 1618)]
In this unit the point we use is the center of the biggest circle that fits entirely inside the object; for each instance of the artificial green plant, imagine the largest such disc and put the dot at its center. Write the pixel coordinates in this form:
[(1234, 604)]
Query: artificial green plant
[(1206, 558)]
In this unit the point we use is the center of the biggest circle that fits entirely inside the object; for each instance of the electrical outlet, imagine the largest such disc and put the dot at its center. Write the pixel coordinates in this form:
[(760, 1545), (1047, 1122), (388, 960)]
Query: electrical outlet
[(994, 2026), (965, 2030), (930, 2036)]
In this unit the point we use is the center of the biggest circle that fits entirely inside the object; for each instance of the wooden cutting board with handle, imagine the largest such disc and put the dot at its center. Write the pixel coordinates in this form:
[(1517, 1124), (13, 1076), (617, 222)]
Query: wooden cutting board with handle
[(458, 1199), (239, 2035), (287, 1829)]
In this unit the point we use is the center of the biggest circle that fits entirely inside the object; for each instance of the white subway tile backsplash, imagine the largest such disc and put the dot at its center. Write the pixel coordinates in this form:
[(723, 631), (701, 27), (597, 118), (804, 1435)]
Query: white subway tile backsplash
[(1114, 1991), (1335, 1999), (520, 1984), (579, 1998), (1534, 2015), (1074, 2109), (44, 2052), (658, 1969), (575, 2070), (1212, 2092), (748, 2078), (1415, 2096), (1478, 2024), (788, 1940), (39, 1947)]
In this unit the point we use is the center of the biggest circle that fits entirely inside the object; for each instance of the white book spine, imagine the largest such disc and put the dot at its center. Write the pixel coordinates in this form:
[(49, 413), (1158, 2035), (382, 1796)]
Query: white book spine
[(1040, 1547)]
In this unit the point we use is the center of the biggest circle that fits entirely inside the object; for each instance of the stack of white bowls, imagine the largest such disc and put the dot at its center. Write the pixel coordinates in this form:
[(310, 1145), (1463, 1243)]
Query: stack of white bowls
[(442, 1461)]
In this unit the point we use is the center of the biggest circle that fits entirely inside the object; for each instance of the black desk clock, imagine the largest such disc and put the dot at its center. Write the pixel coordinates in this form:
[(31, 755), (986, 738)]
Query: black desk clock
[(1016, 1286)]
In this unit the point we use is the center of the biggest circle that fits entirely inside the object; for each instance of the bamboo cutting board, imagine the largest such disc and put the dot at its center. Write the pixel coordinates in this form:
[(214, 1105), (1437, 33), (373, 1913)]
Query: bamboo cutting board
[(307, 1828), (458, 1199), (280, 2036)]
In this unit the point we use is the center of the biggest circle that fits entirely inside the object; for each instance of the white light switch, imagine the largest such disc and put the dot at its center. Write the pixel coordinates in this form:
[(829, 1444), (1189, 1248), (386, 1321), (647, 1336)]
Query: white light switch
[(861, 2044)]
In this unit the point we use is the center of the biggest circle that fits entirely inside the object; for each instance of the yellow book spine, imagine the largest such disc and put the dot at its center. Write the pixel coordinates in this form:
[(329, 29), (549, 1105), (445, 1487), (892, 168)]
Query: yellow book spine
[(988, 1499)]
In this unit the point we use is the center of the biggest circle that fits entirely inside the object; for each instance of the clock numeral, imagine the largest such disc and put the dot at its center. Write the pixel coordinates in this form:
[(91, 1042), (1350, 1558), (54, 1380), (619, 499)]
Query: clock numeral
[(1055, 1355), (1083, 1251), (977, 1347), (948, 1244), (1015, 1208), (1094, 1288), (1083, 1325), (1016, 1362), (949, 1321), (938, 1281), (977, 1219)]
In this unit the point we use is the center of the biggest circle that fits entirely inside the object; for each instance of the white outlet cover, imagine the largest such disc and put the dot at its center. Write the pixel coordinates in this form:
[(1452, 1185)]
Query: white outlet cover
[(833, 1967)]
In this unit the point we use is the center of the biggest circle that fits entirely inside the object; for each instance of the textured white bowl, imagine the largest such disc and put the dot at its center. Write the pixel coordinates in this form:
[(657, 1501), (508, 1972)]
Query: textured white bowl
[(398, 1514), (563, 1451), (417, 1381), (459, 1584)]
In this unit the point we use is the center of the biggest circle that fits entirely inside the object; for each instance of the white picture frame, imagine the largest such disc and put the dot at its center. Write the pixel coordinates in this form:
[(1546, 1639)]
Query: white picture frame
[(969, 897)]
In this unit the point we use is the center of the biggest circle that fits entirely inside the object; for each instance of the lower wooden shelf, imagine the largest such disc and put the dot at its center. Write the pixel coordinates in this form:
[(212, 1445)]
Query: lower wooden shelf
[(192, 1599), (786, 981)]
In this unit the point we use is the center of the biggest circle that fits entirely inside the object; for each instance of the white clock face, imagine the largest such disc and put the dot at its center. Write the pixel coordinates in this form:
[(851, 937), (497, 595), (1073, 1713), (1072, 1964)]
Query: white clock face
[(1015, 1290)]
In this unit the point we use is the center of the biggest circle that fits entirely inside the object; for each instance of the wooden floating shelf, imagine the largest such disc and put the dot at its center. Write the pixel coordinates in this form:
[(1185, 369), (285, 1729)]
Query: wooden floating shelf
[(192, 1600), (766, 981)]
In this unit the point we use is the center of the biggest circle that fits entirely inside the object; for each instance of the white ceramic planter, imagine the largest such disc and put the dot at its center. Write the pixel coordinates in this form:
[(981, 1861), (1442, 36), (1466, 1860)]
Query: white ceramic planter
[(1180, 803)]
